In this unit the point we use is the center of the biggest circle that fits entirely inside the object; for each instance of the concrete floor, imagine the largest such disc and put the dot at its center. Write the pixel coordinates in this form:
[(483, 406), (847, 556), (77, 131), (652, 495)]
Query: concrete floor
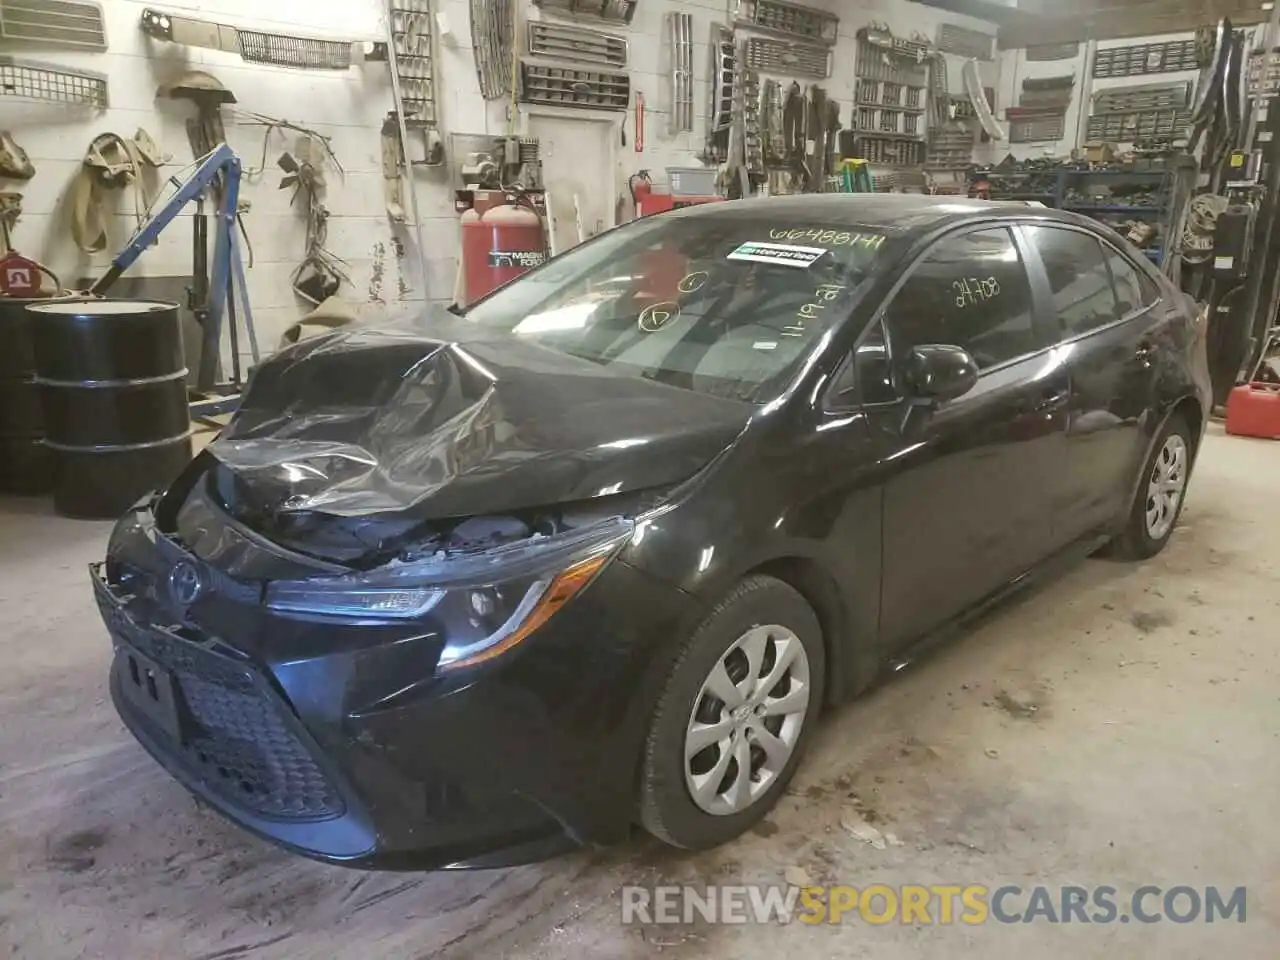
[(1151, 757)]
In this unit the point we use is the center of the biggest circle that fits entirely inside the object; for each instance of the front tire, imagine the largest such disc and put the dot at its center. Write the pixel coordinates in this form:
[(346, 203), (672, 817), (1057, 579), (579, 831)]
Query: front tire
[(734, 717), (1162, 491)]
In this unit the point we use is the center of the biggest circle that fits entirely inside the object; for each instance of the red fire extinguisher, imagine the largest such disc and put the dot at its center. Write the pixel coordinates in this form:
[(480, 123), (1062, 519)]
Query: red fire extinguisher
[(498, 245)]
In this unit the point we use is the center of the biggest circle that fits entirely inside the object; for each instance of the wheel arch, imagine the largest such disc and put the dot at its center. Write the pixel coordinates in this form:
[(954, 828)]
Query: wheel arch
[(850, 667)]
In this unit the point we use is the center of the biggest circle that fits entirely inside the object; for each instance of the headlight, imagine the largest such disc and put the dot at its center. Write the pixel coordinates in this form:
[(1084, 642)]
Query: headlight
[(483, 603)]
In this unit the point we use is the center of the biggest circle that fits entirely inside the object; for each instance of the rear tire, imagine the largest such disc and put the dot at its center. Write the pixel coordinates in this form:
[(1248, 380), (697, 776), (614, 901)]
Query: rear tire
[(748, 684), (1162, 490)]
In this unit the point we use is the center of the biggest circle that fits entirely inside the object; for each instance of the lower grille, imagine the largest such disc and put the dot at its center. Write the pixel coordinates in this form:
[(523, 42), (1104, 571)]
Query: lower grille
[(236, 736)]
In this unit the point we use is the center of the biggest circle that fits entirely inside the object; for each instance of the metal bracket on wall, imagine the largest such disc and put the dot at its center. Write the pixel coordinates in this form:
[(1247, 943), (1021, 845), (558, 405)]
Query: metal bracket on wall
[(492, 37), (257, 47), (52, 83), (789, 19), (680, 31), (558, 41), (63, 23)]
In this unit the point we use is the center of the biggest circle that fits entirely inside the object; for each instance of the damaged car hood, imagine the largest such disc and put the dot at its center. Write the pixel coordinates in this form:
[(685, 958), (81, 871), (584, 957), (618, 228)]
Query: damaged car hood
[(439, 416)]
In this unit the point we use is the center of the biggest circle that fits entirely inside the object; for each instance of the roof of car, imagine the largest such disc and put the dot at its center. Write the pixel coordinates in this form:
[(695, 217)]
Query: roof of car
[(896, 213)]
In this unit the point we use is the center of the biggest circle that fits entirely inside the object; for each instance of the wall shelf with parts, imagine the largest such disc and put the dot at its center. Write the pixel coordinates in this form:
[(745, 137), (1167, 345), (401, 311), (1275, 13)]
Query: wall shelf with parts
[(1134, 201)]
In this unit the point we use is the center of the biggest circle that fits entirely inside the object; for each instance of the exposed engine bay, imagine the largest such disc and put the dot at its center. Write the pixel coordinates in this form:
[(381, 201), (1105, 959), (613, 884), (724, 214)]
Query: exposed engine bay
[(371, 540)]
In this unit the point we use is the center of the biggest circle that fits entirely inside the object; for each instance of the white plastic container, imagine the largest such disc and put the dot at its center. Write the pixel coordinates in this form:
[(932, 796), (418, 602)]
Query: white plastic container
[(691, 181)]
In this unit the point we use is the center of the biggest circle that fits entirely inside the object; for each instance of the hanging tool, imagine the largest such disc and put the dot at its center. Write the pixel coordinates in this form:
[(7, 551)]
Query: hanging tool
[(215, 290)]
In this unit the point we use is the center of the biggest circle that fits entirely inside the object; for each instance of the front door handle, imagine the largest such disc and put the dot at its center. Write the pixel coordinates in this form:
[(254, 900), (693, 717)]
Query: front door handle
[(1052, 400)]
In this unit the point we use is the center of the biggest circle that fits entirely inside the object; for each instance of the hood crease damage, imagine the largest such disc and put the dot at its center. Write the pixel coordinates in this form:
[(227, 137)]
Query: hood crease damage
[(431, 433)]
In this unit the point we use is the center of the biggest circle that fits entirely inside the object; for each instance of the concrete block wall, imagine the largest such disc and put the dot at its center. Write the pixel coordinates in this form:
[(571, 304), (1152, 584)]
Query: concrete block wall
[(349, 107)]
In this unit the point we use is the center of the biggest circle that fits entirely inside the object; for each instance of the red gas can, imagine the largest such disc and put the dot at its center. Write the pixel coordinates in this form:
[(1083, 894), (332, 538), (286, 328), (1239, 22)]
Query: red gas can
[(1253, 410), (497, 246)]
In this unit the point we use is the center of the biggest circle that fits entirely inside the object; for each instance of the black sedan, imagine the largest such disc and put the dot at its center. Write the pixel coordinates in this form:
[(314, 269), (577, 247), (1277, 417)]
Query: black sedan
[(466, 590)]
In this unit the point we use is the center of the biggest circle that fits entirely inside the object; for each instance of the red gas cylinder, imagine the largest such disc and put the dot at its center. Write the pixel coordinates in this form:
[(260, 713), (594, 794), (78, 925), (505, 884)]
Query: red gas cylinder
[(1253, 410), (498, 246)]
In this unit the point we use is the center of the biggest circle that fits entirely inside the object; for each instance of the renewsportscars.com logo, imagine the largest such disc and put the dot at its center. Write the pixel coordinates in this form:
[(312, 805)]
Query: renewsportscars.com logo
[(932, 904)]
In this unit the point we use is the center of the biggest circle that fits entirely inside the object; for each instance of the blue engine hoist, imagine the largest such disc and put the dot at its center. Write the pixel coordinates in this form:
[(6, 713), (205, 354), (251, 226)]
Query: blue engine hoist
[(213, 291)]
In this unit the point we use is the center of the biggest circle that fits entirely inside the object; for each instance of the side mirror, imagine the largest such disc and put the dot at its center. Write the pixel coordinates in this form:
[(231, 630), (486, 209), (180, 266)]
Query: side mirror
[(939, 372)]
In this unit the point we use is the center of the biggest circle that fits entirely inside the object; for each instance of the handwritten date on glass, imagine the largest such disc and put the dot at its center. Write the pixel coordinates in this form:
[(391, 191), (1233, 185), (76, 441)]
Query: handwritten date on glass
[(810, 311), (975, 290)]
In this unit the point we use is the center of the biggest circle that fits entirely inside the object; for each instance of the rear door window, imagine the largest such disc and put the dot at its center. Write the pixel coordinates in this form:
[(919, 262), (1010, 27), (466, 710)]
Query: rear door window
[(970, 290), (1130, 294), (1079, 282)]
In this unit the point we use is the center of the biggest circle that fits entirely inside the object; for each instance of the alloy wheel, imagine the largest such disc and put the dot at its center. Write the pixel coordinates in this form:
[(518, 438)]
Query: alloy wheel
[(746, 720), (1166, 486)]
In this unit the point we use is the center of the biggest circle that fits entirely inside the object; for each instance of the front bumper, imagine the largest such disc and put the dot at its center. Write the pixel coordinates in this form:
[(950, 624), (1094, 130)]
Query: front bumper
[(325, 738)]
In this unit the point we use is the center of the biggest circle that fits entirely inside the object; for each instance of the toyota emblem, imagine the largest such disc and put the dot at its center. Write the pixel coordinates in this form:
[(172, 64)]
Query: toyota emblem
[(185, 583)]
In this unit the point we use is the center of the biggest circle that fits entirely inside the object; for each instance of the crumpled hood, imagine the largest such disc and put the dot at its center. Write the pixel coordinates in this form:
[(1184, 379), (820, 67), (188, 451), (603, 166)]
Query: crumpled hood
[(438, 415)]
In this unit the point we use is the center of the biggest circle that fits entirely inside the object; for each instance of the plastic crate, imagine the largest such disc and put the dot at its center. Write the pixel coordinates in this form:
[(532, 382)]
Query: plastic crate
[(691, 181)]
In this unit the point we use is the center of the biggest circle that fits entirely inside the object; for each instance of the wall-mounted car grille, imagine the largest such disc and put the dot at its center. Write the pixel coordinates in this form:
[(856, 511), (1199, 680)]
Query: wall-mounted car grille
[(63, 23), (1149, 96), (724, 65), (1168, 124), (1047, 92), (491, 40), (1036, 125), (681, 34), (611, 11), (575, 45), (889, 151), (567, 87), (1053, 51), (257, 47), (1143, 58), (294, 51), (791, 19), (950, 147), (874, 65), (52, 83), (963, 42), (1264, 74), (789, 59)]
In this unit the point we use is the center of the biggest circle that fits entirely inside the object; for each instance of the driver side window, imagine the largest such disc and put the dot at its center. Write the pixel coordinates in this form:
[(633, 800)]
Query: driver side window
[(969, 291)]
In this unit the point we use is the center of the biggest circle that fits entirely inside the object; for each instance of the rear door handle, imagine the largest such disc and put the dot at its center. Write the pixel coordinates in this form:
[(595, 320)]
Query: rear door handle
[(1146, 350)]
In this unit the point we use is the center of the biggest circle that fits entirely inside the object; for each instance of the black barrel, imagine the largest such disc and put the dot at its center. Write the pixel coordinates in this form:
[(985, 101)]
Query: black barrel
[(26, 464), (114, 393)]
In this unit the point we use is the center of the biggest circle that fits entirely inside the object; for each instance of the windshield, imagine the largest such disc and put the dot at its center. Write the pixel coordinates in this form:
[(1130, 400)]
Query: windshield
[(724, 305)]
